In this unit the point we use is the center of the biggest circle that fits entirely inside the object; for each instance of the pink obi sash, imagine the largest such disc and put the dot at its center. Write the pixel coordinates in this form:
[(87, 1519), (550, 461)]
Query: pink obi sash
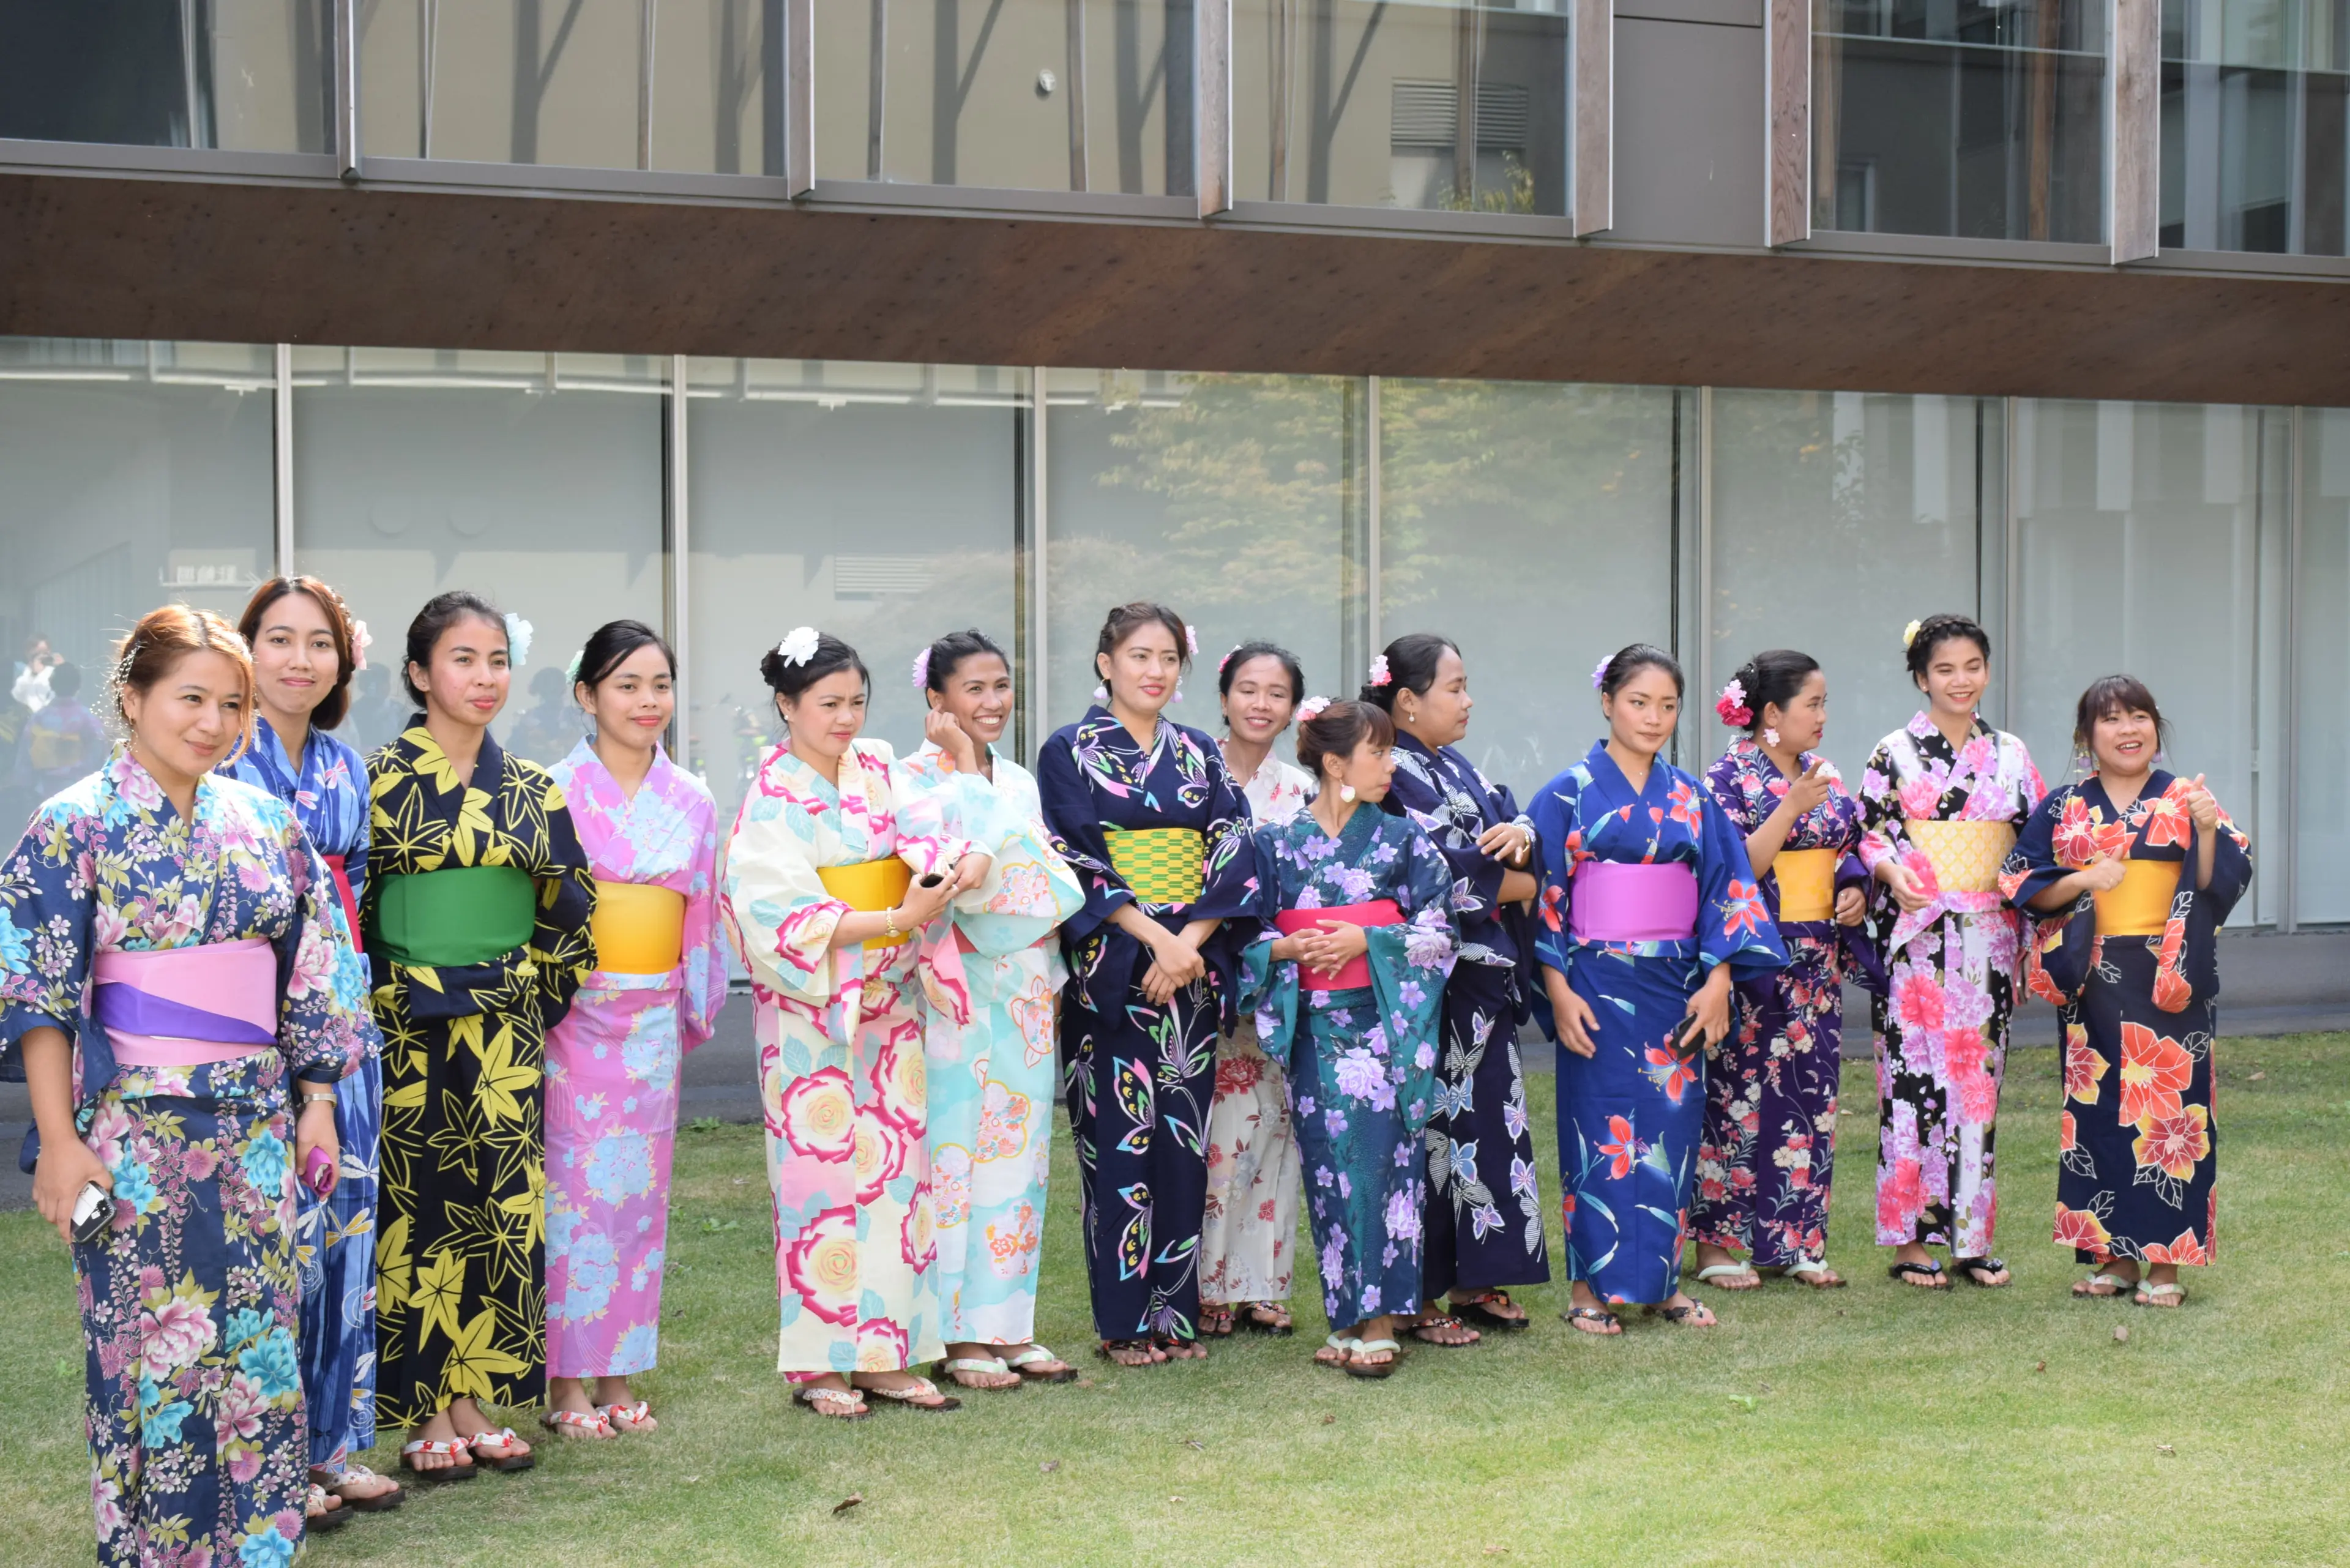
[(1614, 902), (1355, 973), (183, 1007), (337, 868)]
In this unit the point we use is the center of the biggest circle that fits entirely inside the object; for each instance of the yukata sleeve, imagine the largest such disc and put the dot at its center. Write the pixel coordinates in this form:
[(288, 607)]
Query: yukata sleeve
[(1734, 925), (1228, 890), (1029, 888), (1268, 986), (325, 1030), (1882, 835), (1070, 814), (562, 947), (355, 860), (1409, 963), (2058, 945), (1725, 781), (1476, 892), (1558, 842), (931, 838), (705, 954), (775, 906), (46, 940)]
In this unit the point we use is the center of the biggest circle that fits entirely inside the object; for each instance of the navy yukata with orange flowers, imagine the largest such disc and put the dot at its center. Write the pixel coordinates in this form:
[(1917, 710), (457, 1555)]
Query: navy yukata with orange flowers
[(2138, 1146), (1631, 1115)]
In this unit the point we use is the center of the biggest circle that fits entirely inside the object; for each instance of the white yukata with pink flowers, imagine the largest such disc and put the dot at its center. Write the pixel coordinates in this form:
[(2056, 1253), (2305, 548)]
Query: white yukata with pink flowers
[(841, 1068), (612, 1068), (1941, 1033), (1247, 1242)]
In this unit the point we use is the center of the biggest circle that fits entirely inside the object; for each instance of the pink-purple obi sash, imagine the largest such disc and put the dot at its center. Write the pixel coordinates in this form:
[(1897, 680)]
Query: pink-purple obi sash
[(1614, 902), (183, 1007), (1355, 973)]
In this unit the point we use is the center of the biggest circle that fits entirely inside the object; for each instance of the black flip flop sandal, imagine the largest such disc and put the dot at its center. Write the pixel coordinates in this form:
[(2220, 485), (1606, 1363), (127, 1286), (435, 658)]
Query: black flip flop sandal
[(1612, 1324), (1247, 1319), (1902, 1273), (1483, 1316), (1420, 1331), (1967, 1268)]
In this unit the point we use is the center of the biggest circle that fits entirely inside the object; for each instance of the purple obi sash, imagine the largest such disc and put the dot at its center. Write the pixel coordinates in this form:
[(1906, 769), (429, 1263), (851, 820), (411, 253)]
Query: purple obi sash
[(183, 1007), (1614, 902)]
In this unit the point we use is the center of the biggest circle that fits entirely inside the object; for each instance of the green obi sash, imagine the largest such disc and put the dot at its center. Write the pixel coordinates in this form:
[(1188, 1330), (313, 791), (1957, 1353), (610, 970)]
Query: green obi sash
[(463, 916)]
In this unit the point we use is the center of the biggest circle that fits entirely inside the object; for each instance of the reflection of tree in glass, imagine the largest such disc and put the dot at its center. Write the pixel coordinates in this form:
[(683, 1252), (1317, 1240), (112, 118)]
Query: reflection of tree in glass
[(1516, 194)]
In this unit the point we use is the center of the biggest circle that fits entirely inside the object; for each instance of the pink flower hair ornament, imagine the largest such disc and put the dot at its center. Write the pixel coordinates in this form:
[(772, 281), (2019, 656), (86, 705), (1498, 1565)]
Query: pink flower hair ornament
[(1311, 709), (1732, 706), (1599, 673), (1227, 659), (1191, 640), (923, 669), (1379, 674)]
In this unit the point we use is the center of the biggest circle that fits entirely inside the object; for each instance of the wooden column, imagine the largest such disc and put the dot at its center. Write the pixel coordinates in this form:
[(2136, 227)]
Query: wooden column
[(2134, 219), (1592, 92), (1787, 66)]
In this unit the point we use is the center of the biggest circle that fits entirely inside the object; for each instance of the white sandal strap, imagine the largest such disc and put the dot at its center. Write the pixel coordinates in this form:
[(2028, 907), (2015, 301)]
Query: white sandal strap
[(1030, 1356), (920, 1389), (1805, 1266), (991, 1365), (832, 1395), (1724, 1271)]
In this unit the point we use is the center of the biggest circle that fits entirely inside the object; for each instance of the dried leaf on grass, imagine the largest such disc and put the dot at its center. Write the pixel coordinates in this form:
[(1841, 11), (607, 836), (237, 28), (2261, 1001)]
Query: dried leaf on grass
[(846, 1503)]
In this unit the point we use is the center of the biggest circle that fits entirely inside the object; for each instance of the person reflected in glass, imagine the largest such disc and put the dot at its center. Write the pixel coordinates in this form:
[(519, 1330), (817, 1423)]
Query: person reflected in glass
[(2131, 872), (832, 893), (1347, 982), (1247, 1253), (1157, 833), (1942, 799), (990, 1048), (1767, 1154), (60, 743), (1649, 915), (303, 657), (183, 1055), (650, 832), (476, 914), (1484, 1221)]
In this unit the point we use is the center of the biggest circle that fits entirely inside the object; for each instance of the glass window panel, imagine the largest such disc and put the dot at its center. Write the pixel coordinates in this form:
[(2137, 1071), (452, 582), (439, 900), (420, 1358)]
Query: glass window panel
[(1038, 94), (1959, 117), (534, 480), (1838, 518), (1533, 525), (603, 84), (251, 76), (139, 474), (1360, 103), (806, 511), (2255, 136), (2322, 736), (1231, 499), (2150, 544)]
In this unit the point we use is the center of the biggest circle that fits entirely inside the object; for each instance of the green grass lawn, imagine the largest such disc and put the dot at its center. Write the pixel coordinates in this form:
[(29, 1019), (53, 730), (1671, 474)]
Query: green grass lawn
[(1877, 1423)]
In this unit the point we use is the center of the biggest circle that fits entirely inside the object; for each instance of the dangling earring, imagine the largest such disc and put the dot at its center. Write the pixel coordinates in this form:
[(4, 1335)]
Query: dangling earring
[(1101, 694), (1347, 793)]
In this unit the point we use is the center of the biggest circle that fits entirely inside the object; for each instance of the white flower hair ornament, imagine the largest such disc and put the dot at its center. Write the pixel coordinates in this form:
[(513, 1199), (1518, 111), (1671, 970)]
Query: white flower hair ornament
[(360, 643), (799, 647), (921, 669), (1191, 640), (1909, 634), (1381, 675), (518, 632), (571, 671), (1311, 709)]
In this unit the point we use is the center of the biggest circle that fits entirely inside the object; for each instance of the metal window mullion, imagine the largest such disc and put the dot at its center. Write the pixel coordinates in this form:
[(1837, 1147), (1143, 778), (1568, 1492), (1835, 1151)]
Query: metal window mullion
[(282, 458), (677, 545), (2288, 731), (1212, 112), (2011, 608), (1704, 626), (346, 89), (1040, 662), (1373, 610), (798, 88)]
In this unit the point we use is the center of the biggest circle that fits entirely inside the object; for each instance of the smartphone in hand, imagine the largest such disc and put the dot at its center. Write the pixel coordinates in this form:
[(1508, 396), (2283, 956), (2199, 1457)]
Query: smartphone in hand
[(93, 1212)]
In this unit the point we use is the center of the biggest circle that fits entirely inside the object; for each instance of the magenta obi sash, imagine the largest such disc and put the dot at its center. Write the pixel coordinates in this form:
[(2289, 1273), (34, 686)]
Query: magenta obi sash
[(1614, 902), (339, 868), (1355, 973), (183, 1007)]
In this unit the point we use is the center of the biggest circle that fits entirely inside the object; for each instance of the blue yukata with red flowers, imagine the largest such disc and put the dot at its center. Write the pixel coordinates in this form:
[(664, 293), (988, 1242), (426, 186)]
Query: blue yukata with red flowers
[(1630, 1116)]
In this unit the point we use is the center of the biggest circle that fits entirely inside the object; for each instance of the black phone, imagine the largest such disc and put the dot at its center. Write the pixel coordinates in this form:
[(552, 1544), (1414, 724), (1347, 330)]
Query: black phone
[(1679, 1040), (93, 1212), (932, 880)]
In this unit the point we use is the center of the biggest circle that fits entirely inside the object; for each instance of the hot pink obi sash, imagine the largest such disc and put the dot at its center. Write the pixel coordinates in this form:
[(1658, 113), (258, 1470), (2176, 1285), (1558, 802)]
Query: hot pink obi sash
[(1614, 902), (1355, 973), (183, 1007)]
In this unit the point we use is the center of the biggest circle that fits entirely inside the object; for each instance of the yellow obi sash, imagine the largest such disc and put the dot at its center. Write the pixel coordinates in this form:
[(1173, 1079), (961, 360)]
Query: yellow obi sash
[(870, 886), (1966, 855), (1161, 865), (638, 929), (1806, 884), (2140, 907)]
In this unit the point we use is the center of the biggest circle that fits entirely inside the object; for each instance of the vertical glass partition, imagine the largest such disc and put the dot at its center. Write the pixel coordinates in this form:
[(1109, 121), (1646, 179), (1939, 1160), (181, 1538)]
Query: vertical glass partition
[(2255, 132), (1959, 117), (1031, 95), (1451, 104), (2321, 698), (691, 86), (248, 75)]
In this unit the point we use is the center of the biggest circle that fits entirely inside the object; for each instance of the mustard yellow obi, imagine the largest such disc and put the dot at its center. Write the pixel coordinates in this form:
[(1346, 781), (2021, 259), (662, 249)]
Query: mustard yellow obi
[(1806, 884), (2140, 907), (638, 929), (870, 886), (1966, 855), (1160, 864)]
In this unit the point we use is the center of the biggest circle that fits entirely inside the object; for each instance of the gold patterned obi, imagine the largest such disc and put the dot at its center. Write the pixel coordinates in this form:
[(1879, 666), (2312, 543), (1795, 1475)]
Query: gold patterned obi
[(1160, 864), (870, 886), (2140, 907), (1806, 884), (1966, 855)]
